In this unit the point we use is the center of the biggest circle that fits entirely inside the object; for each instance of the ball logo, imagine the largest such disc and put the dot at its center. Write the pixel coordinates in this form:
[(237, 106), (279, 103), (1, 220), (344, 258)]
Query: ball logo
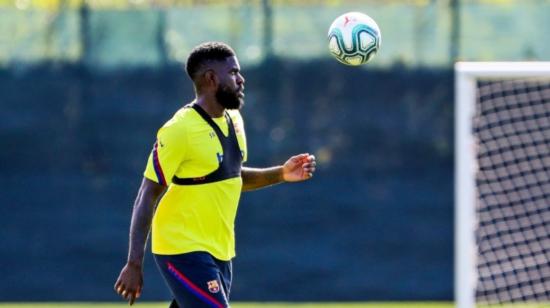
[(213, 286), (347, 20)]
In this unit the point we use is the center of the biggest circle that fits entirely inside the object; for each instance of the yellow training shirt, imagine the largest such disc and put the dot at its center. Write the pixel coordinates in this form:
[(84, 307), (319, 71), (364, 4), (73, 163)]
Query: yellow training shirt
[(194, 217)]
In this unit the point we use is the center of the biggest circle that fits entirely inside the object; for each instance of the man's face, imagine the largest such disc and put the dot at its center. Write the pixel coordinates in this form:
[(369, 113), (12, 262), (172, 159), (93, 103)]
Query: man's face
[(230, 92)]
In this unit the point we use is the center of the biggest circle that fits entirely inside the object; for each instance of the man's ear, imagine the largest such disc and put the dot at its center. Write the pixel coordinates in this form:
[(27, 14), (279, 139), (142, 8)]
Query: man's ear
[(211, 79)]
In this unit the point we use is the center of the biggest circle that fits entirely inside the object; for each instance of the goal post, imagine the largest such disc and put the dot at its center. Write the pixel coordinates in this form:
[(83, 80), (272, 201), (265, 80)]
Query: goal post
[(502, 190)]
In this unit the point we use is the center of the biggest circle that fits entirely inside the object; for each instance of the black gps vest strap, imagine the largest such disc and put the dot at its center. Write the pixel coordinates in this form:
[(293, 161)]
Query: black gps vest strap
[(231, 159)]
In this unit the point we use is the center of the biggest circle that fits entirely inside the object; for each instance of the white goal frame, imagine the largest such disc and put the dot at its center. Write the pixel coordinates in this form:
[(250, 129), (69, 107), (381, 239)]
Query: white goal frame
[(466, 75)]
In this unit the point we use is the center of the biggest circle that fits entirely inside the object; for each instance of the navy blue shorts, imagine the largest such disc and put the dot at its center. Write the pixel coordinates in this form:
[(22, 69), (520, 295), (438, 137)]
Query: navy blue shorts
[(196, 279)]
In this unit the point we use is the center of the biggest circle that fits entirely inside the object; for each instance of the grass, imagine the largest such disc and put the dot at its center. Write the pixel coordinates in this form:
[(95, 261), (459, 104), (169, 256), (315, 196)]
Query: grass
[(268, 305), (237, 305)]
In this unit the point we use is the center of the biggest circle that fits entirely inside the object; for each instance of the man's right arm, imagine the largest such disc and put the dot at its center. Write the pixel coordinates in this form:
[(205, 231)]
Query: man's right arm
[(130, 280)]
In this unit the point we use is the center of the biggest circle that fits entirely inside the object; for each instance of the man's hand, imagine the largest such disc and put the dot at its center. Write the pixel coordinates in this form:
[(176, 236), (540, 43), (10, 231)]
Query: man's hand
[(130, 282), (299, 168)]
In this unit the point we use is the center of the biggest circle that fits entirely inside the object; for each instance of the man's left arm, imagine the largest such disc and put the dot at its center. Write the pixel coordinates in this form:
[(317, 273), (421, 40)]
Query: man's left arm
[(297, 168)]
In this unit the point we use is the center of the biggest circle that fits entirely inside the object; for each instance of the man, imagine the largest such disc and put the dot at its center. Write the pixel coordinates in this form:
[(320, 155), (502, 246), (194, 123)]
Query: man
[(195, 170)]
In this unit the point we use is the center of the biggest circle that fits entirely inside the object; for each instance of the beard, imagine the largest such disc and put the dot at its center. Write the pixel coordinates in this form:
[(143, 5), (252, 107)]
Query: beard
[(228, 98)]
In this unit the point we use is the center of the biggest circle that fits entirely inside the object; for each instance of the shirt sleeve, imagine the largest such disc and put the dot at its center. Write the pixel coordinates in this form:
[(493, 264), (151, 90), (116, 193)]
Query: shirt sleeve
[(167, 154)]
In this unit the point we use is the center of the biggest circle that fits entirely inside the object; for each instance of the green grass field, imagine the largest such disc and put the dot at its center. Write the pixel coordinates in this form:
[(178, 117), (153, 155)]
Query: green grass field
[(235, 305), (270, 305)]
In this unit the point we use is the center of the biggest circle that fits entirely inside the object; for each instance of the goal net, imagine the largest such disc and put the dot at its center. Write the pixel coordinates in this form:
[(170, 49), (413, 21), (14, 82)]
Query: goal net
[(502, 218)]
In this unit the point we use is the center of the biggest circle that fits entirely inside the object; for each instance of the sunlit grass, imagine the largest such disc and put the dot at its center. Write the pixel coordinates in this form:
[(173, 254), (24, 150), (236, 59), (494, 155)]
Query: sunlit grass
[(237, 305), (271, 305)]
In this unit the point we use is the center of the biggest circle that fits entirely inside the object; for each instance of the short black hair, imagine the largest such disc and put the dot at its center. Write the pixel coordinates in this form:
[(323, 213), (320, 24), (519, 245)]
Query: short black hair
[(209, 51)]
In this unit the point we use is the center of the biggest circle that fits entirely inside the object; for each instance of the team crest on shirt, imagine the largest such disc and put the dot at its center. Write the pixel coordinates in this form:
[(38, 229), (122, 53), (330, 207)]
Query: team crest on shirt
[(213, 286), (237, 128)]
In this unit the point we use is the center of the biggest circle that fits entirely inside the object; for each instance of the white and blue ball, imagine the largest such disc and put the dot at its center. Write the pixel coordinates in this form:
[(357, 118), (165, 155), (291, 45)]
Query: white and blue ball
[(354, 38)]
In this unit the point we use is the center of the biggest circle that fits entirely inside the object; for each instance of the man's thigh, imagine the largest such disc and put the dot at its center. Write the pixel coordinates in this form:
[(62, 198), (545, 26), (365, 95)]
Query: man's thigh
[(194, 279)]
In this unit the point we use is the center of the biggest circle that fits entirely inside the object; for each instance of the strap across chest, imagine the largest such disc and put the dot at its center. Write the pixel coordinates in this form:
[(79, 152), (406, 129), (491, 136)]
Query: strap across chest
[(230, 161)]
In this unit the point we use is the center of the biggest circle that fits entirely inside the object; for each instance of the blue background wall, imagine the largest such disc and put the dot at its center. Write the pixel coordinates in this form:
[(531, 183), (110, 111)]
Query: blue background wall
[(375, 223)]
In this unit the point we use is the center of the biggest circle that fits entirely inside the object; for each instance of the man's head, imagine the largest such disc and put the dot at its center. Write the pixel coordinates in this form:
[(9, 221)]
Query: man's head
[(214, 68)]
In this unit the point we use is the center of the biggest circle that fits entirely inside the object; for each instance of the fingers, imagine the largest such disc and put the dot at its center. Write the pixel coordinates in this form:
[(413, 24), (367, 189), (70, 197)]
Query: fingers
[(136, 295), (121, 290), (308, 166), (119, 287), (129, 283), (299, 167), (302, 158), (128, 294), (299, 158), (309, 159), (132, 298)]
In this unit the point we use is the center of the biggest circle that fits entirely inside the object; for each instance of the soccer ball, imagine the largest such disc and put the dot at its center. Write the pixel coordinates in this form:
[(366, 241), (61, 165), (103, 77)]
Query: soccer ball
[(354, 38)]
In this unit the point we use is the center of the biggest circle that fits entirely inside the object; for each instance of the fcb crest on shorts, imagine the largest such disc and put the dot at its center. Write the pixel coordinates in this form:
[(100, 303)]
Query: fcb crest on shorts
[(213, 286)]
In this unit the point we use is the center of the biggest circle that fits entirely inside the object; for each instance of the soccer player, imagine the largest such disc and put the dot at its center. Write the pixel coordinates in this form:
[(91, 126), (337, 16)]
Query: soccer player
[(195, 174)]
